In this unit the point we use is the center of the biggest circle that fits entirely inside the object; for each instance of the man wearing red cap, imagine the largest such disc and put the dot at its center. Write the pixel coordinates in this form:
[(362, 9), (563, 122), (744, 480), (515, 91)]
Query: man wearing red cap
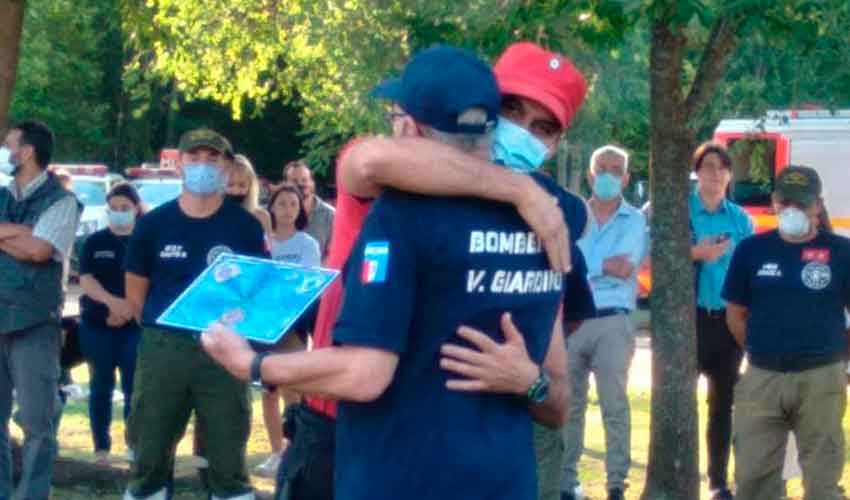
[(542, 105), (401, 310), (542, 92)]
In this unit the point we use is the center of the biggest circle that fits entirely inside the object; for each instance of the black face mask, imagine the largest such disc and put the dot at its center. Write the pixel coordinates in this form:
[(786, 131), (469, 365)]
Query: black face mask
[(237, 198)]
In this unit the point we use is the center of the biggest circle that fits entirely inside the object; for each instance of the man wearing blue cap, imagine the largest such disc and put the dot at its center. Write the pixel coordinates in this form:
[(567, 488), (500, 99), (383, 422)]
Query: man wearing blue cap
[(421, 268)]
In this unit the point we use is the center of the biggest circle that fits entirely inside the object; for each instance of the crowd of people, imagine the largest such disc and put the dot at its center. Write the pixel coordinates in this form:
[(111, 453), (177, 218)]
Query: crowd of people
[(452, 359)]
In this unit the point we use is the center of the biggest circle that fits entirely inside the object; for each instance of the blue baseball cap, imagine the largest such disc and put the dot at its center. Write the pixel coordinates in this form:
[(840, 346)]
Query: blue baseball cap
[(448, 89)]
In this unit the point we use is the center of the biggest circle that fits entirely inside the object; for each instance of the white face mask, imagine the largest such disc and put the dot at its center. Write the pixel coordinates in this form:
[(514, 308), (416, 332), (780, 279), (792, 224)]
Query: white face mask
[(794, 223), (6, 164)]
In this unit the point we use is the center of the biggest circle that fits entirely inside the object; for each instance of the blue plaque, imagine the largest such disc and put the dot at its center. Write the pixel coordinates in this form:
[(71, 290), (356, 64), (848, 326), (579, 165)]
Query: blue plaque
[(258, 298)]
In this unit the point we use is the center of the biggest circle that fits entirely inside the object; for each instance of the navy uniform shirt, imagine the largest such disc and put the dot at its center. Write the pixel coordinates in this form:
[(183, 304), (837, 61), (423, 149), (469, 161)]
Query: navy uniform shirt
[(421, 268), (171, 249), (103, 258), (578, 296), (795, 292)]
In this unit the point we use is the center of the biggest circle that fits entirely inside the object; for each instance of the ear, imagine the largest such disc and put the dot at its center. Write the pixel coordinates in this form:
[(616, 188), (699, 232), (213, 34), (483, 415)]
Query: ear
[(626, 179)]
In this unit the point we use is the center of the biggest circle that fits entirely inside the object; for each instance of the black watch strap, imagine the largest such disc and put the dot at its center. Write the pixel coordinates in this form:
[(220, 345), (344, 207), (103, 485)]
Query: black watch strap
[(538, 392), (256, 364)]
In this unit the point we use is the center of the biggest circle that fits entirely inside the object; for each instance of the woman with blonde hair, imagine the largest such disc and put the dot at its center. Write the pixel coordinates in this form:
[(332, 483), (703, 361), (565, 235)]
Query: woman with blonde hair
[(243, 187)]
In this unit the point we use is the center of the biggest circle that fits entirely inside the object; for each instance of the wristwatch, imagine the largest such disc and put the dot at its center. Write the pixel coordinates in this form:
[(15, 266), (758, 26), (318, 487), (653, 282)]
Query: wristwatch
[(256, 364), (539, 389)]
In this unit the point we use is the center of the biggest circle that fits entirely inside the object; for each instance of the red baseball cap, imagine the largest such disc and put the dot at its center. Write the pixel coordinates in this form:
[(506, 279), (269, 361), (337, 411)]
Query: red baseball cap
[(528, 70)]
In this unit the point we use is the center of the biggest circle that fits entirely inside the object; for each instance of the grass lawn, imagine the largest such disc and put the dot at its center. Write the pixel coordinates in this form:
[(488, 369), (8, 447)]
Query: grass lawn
[(75, 441)]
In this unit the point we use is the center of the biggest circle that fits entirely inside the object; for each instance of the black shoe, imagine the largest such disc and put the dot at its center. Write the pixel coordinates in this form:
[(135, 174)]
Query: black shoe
[(566, 495), (723, 494), (615, 494)]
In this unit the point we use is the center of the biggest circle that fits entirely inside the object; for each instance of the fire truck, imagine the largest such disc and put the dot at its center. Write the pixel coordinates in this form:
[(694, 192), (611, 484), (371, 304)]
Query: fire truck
[(157, 183), (762, 147)]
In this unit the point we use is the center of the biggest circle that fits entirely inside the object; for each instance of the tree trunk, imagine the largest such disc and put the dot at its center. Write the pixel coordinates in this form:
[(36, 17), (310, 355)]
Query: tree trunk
[(11, 27), (673, 469)]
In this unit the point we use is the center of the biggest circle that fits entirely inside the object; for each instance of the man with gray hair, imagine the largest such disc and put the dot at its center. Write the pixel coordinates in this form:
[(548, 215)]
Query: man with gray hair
[(604, 345)]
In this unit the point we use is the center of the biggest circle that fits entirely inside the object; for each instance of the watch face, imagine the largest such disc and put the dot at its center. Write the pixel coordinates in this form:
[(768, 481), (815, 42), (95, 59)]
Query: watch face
[(540, 391)]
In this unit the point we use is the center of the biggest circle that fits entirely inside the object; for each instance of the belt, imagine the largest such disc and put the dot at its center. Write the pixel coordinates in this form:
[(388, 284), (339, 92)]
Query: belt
[(711, 313), (610, 311), (794, 362)]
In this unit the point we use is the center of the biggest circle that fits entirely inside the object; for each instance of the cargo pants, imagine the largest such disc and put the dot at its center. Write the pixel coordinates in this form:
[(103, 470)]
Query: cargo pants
[(174, 376), (809, 403)]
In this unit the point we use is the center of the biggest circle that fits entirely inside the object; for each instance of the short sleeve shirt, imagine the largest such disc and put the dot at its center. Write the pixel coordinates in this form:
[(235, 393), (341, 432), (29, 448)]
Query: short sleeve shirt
[(796, 293), (421, 268), (171, 249), (321, 221), (103, 258), (728, 220), (300, 249)]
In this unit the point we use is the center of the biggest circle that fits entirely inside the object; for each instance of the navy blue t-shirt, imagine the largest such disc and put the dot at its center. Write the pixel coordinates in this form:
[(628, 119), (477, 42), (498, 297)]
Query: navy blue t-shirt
[(795, 292), (171, 249), (578, 296), (421, 268), (103, 258)]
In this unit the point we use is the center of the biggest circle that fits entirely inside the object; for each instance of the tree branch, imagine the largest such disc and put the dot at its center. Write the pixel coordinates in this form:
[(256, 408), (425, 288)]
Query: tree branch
[(721, 44)]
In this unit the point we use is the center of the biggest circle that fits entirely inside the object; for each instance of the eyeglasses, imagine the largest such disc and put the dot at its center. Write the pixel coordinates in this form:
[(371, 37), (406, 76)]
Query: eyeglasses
[(392, 116)]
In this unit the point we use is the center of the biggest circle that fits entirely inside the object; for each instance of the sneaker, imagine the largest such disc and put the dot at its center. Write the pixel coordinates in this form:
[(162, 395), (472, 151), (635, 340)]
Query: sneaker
[(615, 494), (101, 457), (269, 467), (722, 494), (572, 495), (196, 462)]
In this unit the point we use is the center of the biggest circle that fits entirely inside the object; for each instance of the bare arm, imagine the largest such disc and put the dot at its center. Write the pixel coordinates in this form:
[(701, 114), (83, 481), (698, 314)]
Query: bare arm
[(120, 311), (426, 167), (8, 230), (553, 412), (27, 248), (95, 291), (350, 373), (736, 320), (136, 291)]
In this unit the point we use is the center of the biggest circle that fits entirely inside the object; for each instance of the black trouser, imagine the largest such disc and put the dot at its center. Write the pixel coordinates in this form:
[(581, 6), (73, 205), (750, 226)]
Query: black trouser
[(719, 359), (307, 467)]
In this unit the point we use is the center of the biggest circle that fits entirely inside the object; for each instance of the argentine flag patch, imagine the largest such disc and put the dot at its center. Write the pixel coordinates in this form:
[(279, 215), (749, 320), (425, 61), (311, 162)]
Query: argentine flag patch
[(376, 259)]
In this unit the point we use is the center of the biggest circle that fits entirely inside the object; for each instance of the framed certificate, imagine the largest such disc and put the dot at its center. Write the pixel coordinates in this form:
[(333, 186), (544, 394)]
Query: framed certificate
[(258, 298)]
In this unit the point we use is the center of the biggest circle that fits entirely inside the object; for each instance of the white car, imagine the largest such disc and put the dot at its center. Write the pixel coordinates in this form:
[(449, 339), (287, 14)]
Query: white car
[(91, 191), (155, 191)]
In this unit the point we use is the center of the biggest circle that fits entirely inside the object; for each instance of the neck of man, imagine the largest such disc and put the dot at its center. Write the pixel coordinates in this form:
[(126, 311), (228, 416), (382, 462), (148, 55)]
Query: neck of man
[(25, 174), (812, 234), (711, 200), (121, 231), (309, 203), (284, 231), (199, 207), (604, 209)]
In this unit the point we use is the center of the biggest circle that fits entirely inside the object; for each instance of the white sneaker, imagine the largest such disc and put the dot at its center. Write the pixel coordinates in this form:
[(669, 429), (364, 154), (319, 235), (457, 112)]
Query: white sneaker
[(196, 462), (101, 457), (269, 467)]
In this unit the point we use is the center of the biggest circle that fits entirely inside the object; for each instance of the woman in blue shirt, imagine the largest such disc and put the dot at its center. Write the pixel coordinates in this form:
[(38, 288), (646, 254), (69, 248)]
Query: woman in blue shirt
[(109, 334)]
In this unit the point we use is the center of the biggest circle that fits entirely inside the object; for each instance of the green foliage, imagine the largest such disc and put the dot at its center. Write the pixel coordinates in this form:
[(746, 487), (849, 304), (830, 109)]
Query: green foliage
[(59, 77)]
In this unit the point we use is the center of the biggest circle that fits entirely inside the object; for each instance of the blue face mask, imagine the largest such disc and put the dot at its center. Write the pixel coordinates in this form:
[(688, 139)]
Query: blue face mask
[(607, 186), (120, 219), (204, 179), (517, 148)]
